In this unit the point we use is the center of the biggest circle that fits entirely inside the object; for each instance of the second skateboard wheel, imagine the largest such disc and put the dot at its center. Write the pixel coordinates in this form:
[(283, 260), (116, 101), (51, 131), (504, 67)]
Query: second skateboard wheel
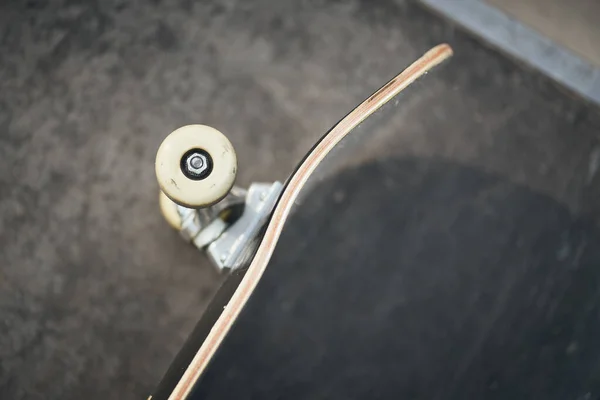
[(196, 166), (169, 211)]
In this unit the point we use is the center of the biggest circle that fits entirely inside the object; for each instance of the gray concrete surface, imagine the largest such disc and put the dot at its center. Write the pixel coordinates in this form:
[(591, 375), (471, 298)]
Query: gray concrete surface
[(572, 24), (517, 39), (96, 293)]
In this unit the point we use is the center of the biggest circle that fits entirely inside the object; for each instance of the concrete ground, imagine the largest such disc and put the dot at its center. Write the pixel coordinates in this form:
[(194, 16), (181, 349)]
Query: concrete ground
[(96, 293), (571, 24)]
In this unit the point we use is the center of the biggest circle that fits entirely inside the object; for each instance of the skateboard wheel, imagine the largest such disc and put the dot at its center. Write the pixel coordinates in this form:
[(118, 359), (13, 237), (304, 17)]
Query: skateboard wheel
[(196, 166), (168, 208)]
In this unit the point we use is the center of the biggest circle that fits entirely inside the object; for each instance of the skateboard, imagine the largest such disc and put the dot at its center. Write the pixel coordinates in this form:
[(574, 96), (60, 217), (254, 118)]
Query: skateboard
[(238, 228)]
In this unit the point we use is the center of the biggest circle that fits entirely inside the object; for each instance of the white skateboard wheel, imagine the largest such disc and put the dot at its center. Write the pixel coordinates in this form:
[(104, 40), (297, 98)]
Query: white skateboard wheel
[(196, 166), (169, 211)]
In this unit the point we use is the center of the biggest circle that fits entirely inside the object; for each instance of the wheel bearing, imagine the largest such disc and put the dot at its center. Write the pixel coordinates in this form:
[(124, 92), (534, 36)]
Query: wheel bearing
[(196, 164)]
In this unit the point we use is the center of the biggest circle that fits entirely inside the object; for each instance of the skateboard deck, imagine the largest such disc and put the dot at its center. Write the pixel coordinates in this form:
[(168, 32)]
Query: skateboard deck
[(183, 376)]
